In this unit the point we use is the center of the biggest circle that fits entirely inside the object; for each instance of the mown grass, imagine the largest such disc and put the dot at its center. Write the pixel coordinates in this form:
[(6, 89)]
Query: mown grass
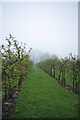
[(43, 97)]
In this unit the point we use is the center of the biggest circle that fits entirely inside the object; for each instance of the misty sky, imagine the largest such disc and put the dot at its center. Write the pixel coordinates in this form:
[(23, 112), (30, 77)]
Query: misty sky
[(49, 27)]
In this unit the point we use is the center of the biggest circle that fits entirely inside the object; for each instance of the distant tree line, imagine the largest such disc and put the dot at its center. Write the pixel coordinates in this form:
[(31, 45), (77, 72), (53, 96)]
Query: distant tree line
[(37, 55)]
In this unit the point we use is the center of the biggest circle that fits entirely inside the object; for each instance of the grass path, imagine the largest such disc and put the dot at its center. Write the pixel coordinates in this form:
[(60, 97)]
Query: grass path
[(43, 97)]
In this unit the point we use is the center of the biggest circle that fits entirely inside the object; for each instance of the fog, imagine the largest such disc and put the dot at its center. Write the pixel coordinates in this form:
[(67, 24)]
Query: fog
[(47, 27)]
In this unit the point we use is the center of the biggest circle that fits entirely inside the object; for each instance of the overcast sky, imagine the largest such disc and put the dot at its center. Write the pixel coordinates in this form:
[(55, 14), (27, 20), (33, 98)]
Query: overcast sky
[(49, 27)]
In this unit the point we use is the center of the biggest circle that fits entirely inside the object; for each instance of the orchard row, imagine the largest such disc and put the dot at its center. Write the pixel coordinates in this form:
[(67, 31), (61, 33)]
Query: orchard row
[(65, 71), (15, 66)]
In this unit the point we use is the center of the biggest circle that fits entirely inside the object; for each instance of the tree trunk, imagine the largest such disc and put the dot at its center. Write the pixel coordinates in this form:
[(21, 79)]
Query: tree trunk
[(54, 74), (5, 93), (20, 81), (59, 75), (73, 85), (76, 87)]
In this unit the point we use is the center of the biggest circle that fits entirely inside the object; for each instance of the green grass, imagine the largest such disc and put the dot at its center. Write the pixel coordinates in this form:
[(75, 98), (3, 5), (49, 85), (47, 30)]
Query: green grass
[(43, 97)]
